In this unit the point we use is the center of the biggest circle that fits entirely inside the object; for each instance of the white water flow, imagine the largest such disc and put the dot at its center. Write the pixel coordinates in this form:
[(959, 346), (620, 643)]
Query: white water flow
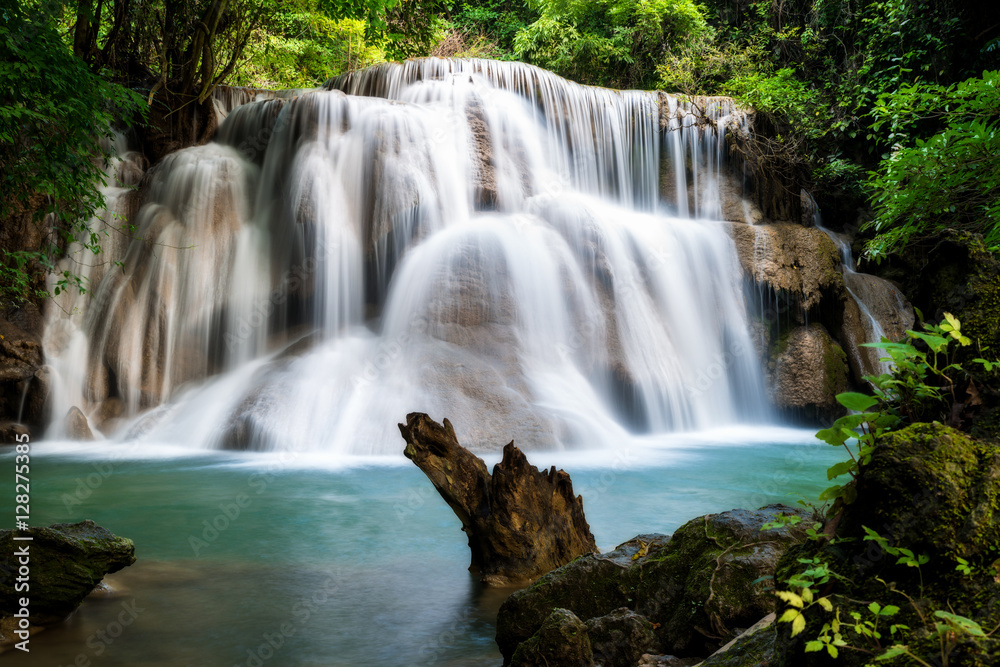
[(874, 330), (533, 259)]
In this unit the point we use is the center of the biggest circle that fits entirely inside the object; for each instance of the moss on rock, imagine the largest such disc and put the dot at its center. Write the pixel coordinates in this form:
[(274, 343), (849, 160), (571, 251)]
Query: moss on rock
[(698, 588), (561, 641), (67, 561), (706, 585), (932, 490)]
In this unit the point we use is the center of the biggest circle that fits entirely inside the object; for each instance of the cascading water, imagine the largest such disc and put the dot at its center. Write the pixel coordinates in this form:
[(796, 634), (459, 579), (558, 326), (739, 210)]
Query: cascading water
[(892, 319), (534, 259)]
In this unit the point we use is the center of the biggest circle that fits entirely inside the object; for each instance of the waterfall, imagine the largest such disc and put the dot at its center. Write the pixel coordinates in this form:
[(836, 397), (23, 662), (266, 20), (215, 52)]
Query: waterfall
[(534, 259), (868, 292)]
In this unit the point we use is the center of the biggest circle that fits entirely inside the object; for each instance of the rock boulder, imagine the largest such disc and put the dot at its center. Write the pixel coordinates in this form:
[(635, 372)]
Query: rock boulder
[(67, 561), (695, 590)]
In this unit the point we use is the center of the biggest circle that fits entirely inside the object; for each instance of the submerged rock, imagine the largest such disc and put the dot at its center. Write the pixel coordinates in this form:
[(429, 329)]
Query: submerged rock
[(696, 590), (591, 586), (67, 561), (520, 521)]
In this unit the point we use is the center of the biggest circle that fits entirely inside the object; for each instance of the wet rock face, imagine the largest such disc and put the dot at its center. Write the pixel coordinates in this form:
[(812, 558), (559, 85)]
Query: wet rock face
[(67, 561), (694, 591), (807, 372), (77, 426), (520, 521), (885, 304), (24, 382), (799, 261)]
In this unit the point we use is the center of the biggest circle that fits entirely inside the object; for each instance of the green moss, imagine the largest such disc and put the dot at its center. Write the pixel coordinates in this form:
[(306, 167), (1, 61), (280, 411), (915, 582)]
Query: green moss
[(834, 369), (935, 491)]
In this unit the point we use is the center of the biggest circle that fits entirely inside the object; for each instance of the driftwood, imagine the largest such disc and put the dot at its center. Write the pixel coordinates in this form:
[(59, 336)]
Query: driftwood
[(521, 522)]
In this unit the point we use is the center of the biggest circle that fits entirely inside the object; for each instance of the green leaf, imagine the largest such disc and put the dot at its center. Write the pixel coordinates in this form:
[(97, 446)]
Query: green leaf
[(790, 597), (789, 615), (839, 469), (967, 625), (813, 646), (831, 493), (893, 652), (855, 401)]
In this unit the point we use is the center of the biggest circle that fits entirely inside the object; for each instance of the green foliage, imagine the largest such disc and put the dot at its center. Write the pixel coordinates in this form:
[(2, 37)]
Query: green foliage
[(609, 42), (53, 109), (783, 96), (815, 70), (496, 21), (301, 47), (921, 382), (950, 179), (925, 377), (857, 433), (920, 387)]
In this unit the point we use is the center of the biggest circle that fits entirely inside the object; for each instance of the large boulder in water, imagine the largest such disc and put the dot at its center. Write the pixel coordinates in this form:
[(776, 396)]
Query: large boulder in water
[(67, 561), (697, 588)]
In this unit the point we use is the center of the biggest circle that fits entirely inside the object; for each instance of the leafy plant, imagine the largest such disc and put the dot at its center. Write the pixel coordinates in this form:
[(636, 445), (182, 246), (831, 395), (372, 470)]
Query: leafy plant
[(53, 111), (923, 375), (950, 179)]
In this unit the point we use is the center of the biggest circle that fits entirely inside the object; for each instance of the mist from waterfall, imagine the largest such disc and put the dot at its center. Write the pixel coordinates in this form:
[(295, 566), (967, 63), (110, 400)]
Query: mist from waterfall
[(533, 259)]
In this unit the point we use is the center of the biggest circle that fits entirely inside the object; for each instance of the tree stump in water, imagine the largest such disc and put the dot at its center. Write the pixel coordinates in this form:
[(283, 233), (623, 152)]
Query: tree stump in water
[(521, 522)]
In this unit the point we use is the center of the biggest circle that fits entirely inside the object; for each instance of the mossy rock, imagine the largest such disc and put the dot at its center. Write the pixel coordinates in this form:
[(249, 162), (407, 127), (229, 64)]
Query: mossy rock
[(935, 491), (697, 589), (713, 579), (753, 649), (590, 586), (67, 561), (621, 638), (561, 641)]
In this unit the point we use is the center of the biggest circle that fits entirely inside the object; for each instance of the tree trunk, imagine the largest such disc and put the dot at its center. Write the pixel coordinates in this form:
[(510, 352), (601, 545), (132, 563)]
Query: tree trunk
[(521, 522)]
